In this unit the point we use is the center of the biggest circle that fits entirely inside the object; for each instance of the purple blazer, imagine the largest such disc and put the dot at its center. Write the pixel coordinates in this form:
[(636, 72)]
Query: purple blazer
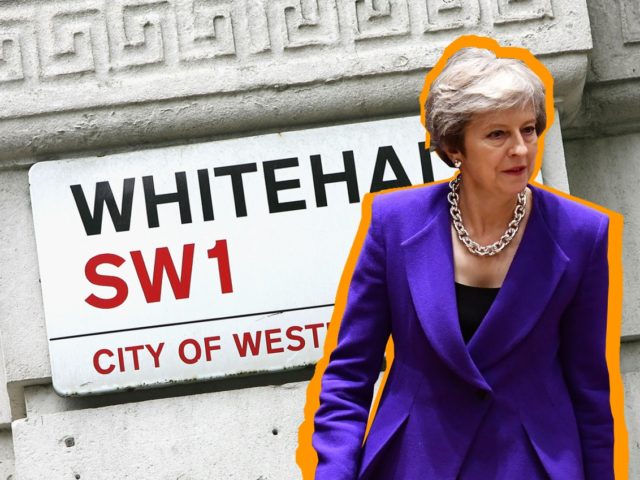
[(527, 397)]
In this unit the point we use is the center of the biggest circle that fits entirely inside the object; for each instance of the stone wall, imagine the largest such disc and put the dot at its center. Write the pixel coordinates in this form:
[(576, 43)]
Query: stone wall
[(602, 148)]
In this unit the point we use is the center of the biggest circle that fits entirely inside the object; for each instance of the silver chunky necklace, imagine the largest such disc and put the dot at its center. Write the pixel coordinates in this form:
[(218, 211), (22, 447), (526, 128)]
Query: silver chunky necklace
[(463, 235)]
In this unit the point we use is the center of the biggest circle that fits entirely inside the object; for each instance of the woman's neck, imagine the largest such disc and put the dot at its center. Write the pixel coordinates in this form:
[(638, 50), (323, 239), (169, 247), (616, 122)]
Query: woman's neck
[(485, 215)]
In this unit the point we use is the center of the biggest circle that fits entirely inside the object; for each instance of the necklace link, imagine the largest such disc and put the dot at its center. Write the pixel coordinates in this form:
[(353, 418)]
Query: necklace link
[(473, 246)]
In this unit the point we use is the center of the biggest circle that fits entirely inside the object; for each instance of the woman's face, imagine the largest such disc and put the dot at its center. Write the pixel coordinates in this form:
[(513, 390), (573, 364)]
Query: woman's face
[(500, 151)]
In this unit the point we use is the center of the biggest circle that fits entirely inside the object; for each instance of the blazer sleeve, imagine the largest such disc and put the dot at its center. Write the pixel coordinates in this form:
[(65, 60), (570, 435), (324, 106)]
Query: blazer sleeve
[(354, 365), (583, 348)]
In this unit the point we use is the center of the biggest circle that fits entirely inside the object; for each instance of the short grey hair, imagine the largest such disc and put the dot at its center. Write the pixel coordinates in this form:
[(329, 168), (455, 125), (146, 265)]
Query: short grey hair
[(475, 80)]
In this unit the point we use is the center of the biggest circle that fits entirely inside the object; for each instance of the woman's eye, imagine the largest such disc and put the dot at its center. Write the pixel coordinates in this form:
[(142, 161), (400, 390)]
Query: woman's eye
[(496, 134), (529, 130)]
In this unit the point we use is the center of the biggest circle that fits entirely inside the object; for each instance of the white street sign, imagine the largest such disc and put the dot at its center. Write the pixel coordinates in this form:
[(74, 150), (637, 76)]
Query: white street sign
[(208, 260)]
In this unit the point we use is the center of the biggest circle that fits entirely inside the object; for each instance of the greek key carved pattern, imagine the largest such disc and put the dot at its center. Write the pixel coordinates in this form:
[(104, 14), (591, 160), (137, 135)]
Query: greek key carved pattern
[(12, 33), (630, 14), (205, 29), (46, 40), (141, 33), (305, 23), (258, 26), (451, 14), (381, 18), (508, 11), (68, 40)]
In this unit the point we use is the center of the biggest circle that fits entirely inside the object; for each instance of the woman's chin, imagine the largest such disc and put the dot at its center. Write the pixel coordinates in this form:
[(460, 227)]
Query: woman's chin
[(515, 183)]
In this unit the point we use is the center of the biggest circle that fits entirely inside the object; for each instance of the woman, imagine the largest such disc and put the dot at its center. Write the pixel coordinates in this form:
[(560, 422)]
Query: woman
[(495, 293)]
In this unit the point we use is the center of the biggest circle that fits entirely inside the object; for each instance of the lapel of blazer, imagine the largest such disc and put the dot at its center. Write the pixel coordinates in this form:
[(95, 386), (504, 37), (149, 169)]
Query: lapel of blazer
[(428, 259), (535, 271), (532, 277)]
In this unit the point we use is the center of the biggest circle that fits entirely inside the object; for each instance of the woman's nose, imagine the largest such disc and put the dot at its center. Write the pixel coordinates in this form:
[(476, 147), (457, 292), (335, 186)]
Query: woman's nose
[(518, 146)]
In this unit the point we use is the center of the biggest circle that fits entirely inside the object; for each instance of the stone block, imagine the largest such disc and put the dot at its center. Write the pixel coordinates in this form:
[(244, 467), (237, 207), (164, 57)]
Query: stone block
[(632, 413), (7, 463), (23, 336), (605, 171), (554, 171), (239, 434)]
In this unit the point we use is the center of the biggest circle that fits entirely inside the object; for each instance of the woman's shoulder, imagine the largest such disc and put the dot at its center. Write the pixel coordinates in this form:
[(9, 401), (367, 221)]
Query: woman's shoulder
[(404, 212), (568, 216), (410, 200)]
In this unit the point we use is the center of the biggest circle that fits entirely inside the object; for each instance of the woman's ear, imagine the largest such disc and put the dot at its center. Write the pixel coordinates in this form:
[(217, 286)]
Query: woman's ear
[(454, 155), (451, 152)]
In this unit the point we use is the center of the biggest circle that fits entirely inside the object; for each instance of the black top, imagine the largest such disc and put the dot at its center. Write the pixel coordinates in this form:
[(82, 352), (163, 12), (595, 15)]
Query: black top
[(473, 305)]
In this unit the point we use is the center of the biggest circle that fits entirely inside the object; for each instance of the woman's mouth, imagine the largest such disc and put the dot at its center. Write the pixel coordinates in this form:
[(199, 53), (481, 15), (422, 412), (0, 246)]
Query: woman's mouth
[(515, 171)]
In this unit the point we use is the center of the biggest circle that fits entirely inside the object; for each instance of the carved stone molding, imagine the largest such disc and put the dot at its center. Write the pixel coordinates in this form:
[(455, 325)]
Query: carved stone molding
[(15, 35), (68, 60), (67, 39), (450, 14), (384, 18), (308, 23), (507, 11), (205, 30)]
